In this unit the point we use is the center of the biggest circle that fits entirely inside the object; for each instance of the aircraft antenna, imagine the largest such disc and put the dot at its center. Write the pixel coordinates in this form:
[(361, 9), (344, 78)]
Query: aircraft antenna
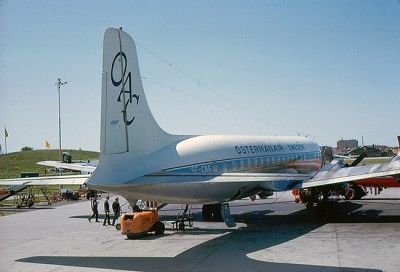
[(198, 82), (242, 111)]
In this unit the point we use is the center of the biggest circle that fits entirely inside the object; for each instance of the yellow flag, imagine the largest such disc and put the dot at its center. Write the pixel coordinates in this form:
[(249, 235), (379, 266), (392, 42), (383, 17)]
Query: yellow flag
[(47, 145)]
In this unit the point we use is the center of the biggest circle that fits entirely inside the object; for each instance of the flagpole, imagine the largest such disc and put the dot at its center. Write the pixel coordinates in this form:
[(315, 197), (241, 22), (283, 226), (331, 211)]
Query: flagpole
[(47, 158)]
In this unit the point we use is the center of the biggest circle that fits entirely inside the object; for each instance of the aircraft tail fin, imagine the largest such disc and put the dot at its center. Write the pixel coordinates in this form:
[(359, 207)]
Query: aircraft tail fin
[(129, 131), (127, 124)]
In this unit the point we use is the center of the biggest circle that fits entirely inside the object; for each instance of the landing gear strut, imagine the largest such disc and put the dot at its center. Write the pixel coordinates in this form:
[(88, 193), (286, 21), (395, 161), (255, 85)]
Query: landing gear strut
[(219, 212), (327, 209), (326, 204)]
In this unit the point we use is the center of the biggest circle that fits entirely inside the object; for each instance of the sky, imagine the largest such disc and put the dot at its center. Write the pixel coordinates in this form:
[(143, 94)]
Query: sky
[(323, 69)]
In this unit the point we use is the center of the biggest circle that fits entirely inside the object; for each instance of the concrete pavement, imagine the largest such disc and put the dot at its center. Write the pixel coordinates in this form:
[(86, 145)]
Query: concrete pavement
[(271, 235)]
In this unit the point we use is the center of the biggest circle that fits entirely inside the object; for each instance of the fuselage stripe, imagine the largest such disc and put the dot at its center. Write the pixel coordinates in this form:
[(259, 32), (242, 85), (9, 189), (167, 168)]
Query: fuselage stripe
[(254, 163)]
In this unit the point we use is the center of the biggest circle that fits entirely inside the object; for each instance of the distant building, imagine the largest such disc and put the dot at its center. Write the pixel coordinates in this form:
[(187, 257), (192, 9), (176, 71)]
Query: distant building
[(345, 145), (385, 150), (372, 151)]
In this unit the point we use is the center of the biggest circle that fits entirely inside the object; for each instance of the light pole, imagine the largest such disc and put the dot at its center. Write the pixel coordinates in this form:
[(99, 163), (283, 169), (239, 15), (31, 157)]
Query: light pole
[(58, 84)]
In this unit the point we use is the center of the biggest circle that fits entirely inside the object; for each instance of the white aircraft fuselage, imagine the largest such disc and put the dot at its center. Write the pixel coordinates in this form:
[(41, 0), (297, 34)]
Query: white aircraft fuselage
[(214, 169)]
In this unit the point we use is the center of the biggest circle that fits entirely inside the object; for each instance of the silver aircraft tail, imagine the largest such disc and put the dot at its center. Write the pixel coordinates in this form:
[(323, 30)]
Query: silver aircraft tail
[(129, 131)]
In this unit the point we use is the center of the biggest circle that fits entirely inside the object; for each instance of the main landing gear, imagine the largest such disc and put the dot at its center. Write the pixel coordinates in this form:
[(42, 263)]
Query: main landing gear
[(212, 212), (327, 202), (219, 212)]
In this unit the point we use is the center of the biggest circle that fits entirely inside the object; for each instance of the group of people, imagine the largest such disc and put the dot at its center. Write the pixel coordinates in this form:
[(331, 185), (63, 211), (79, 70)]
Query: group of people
[(115, 206)]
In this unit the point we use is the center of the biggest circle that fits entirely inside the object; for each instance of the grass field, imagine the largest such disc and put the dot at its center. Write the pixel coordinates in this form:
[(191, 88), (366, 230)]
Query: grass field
[(25, 161), (372, 160)]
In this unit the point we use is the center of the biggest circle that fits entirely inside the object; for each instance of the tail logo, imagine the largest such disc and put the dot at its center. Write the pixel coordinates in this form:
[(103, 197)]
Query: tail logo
[(126, 81)]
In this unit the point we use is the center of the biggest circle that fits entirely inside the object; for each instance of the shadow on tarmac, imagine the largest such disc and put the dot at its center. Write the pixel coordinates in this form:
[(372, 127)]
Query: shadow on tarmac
[(182, 263), (229, 251)]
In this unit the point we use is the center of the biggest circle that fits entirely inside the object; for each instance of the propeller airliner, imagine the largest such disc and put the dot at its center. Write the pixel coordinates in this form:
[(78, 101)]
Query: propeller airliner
[(139, 160)]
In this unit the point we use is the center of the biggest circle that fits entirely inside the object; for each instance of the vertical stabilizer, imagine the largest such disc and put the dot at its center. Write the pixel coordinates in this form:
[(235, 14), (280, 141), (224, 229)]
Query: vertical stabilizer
[(127, 125), (129, 133)]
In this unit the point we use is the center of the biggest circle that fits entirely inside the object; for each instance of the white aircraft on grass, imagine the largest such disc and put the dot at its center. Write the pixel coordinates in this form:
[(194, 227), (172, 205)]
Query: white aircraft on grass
[(139, 160)]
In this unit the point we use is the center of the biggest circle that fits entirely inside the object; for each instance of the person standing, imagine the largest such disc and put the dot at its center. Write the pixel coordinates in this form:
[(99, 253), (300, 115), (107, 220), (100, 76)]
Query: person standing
[(95, 210), (106, 211), (116, 209)]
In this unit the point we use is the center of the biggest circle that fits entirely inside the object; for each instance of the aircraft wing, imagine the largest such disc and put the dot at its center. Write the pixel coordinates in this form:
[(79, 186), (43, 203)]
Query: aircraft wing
[(328, 175), (54, 180), (87, 167), (332, 174)]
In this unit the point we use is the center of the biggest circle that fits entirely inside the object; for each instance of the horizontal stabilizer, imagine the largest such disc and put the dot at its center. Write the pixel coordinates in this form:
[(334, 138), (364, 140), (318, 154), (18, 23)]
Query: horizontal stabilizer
[(84, 167)]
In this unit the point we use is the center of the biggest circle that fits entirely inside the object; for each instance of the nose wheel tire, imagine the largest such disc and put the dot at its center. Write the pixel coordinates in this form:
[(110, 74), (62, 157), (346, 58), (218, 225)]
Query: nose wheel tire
[(159, 228)]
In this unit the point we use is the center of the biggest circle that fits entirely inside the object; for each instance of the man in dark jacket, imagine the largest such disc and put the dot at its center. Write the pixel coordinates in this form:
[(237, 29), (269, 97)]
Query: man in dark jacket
[(95, 210), (116, 209), (106, 211)]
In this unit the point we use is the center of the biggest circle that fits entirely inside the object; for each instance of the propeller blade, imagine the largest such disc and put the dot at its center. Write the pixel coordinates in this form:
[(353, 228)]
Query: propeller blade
[(359, 159), (327, 154)]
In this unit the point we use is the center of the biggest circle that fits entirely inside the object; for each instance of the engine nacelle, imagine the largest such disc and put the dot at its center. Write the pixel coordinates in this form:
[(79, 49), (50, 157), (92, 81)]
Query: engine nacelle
[(308, 196)]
